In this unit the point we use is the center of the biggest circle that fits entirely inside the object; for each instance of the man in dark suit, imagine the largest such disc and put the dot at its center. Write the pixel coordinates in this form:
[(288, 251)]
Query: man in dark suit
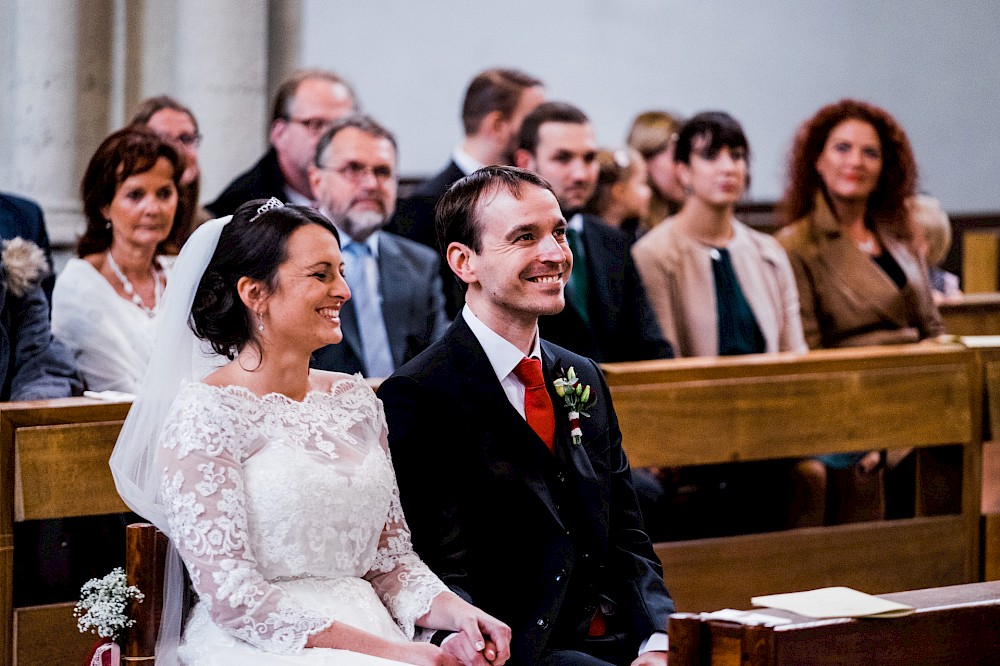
[(23, 218), (519, 512), (496, 102), (305, 106), (397, 306), (608, 317)]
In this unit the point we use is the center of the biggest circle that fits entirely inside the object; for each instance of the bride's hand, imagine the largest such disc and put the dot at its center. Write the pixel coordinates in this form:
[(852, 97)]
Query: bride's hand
[(481, 641), (425, 654)]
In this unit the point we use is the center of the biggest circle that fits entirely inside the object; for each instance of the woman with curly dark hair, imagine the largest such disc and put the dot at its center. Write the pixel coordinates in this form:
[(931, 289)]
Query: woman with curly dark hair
[(860, 278)]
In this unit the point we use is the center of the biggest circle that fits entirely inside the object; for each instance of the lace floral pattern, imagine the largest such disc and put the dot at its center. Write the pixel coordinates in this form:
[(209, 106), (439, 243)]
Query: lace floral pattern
[(268, 497)]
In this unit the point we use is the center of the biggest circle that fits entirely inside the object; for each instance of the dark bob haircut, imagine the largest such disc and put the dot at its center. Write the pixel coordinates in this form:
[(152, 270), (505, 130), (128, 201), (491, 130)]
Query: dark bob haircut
[(123, 154), (716, 129), (252, 245)]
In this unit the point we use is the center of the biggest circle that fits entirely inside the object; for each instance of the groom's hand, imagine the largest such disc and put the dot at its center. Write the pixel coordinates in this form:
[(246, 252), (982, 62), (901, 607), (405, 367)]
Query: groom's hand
[(470, 652)]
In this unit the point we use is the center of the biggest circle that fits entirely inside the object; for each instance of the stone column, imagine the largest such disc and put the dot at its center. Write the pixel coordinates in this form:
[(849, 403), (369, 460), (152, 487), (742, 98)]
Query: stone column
[(221, 74), (55, 91)]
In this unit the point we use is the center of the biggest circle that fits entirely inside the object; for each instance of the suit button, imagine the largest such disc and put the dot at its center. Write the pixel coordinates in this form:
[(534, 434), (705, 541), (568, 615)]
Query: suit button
[(542, 623), (560, 576), (586, 556), (561, 478)]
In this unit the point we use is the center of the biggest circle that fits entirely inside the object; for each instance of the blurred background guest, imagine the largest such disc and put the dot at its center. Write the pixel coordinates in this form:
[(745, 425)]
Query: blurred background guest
[(22, 218), (653, 134), (33, 364), (622, 195), (861, 279), (105, 302), (933, 232), (718, 288), (172, 121)]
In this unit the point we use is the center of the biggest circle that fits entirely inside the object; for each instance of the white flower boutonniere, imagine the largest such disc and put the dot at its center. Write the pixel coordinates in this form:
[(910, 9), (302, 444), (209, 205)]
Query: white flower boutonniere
[(577, 397)]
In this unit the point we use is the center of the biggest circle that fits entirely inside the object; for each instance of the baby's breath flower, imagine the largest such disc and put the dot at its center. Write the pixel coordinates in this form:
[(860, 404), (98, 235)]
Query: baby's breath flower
[(101, 609)]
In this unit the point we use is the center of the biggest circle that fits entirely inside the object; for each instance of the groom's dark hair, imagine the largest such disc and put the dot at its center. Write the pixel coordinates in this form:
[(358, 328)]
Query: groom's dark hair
[(456, 218)]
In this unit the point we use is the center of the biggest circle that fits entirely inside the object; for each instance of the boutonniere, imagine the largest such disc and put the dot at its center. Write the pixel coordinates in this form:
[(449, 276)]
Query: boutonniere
[(577, 397)]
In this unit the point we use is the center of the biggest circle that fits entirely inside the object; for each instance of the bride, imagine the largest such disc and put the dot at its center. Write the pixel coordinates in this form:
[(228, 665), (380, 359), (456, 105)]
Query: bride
[(274, 482)]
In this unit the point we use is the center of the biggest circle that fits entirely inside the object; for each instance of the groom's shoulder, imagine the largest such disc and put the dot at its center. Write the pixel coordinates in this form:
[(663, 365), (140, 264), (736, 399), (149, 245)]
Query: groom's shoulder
[(437, 360), (567, 359)]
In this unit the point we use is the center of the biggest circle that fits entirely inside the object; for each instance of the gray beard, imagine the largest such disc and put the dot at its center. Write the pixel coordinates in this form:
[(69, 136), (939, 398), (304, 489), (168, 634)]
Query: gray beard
[(359, 226)]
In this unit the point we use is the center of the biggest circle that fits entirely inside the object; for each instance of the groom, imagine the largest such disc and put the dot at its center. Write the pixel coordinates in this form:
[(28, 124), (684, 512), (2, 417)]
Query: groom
[(533, 524)]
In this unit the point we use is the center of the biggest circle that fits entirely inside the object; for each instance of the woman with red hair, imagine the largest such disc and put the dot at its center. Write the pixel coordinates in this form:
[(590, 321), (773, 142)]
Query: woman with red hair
[(860, 278)]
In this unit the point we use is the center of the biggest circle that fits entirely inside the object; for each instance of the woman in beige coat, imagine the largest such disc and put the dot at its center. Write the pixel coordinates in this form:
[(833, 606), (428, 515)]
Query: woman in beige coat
[(717, 286), (861, 280)]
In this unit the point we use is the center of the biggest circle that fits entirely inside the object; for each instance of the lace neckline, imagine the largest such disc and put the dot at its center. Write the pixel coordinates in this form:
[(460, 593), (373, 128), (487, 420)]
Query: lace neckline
[(275, 397)]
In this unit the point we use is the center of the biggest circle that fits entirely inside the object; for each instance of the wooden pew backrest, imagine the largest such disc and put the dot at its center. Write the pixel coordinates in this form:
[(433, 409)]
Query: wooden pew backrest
[(53, 464), (715, 410)]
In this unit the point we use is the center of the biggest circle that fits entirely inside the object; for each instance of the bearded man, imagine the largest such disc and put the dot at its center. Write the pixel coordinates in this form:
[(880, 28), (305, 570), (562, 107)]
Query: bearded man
[(397, 305)]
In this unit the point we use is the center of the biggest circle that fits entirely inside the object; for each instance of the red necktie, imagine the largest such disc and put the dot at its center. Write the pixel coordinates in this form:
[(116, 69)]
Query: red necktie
[(538, 411)]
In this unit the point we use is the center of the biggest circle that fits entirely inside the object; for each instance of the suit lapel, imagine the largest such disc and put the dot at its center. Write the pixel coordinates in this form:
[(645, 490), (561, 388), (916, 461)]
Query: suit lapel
[(395, 285), (859, 275), (588, 494)]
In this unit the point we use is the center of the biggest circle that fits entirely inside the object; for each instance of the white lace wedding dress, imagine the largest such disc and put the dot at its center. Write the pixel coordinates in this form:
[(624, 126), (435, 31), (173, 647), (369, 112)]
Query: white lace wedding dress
[(287, 517)]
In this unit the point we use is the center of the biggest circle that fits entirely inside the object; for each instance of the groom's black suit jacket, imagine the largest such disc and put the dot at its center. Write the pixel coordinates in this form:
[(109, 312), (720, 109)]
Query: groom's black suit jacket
[(536, 539)]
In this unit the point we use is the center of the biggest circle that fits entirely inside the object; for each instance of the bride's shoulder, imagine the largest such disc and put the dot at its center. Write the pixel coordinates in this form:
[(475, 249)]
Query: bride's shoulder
[(326, 381)]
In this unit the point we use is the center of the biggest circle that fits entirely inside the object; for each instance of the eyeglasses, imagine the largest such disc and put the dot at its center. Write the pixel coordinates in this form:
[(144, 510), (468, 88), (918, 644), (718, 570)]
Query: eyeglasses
[(313, 125), (355, 172), (189, 140)]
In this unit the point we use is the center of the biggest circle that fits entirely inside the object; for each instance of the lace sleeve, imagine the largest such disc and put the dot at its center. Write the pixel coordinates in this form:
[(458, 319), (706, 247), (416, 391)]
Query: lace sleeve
[(405, 584), (202, 451)]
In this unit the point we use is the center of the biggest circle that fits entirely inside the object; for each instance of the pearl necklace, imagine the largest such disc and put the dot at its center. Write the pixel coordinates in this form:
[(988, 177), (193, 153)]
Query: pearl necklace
[(130, 290)]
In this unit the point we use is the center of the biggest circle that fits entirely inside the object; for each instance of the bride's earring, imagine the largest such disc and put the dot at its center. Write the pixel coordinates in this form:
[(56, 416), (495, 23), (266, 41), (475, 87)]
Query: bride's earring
[(260, 326)]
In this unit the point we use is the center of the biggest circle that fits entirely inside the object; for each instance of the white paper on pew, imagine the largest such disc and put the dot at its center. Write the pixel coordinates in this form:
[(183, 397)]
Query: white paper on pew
[(752, 618), (830, 602), (976, 341), (110, 396)]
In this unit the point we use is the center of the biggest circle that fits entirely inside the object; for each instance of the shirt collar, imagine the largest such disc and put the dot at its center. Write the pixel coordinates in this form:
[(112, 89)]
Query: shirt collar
[(576, 223), (503, 356), (371, 241), (466, 162), (298, 199)]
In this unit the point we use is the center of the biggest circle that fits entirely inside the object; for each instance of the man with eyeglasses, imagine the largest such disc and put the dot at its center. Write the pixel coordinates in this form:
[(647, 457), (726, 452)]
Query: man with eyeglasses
[(305, 106), (396, 308)]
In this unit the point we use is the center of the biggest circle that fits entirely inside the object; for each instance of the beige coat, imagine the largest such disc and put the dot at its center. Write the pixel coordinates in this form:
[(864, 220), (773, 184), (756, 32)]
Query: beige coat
[(677, 273), (847, 300)]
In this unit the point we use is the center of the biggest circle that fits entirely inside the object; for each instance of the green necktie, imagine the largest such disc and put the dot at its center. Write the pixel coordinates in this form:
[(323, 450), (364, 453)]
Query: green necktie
[(578, 281)]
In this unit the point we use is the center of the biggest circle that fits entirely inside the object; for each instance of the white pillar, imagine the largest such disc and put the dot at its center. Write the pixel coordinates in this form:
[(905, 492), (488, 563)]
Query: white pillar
[(56, 85), (221, 74)]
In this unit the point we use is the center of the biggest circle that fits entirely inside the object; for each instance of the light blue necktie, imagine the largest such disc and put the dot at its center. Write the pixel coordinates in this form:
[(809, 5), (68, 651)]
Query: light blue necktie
[(362, 277)]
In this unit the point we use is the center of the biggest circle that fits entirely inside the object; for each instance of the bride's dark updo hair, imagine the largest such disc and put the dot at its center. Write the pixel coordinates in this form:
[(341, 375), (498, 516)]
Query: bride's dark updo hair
[(252, 245)]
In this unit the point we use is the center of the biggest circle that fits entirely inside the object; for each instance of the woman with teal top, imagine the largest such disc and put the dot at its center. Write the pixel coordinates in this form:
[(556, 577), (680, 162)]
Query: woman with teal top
[(719, 288)]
